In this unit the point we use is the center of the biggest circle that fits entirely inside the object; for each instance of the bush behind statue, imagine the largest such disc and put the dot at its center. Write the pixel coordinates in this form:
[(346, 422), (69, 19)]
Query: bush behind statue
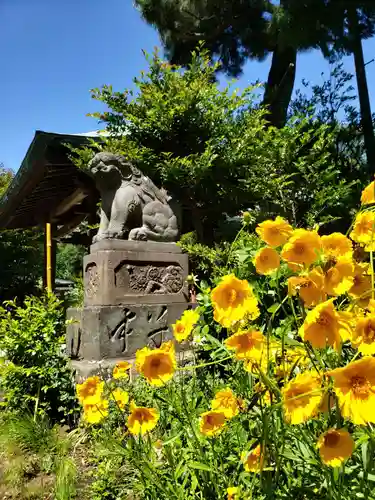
[(212, 150), (34, 373)]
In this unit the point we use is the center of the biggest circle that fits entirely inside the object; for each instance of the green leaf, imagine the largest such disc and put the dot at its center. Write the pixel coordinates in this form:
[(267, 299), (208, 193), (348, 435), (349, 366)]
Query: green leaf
[(200, 466), (273, 308), (242, 255)]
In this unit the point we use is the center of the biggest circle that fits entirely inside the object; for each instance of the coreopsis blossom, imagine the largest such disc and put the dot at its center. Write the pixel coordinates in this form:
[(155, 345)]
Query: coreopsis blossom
[(368, 194), (364, 230), (141, 419), (335, 446), (185, 325), (246, 344), (302, 249), (324, 326), (253, 460), (361, 289), (233, 300), (328, 403), (263, 392), (274, 232), (232, 493), (363, 337), (354, 386), (95, 413), (266, 261), (90, 391), (227, 402), (120, 397), (292, 358), (121, 370), (310, 287), (336, 245), (302, 397), (157, 365), (212, 422), (338, 276)]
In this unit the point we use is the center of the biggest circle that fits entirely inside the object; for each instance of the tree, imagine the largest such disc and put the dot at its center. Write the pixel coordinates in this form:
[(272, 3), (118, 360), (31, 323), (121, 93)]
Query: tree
[(241, 30), (351, 22), (212, 150), (21, 263), (236, 31), (6, 177)]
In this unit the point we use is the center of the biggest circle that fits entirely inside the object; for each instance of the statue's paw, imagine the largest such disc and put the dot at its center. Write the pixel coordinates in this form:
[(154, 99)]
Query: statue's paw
[(138, 234), (112, 235), (98, 237)]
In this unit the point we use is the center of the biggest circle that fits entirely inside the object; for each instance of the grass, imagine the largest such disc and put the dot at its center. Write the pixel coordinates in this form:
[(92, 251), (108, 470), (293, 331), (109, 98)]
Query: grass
[(40, 462)]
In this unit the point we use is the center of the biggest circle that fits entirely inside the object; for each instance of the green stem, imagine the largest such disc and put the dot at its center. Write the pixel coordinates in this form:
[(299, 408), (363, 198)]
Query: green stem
[(187, 368)]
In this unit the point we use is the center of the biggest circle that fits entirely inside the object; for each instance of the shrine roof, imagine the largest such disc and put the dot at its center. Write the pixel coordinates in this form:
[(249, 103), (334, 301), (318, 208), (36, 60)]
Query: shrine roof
[(48, 186)]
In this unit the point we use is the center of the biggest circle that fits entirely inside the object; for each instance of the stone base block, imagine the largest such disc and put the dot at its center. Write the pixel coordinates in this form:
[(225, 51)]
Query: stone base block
[(84, 369), (120, 272), (98, 333)]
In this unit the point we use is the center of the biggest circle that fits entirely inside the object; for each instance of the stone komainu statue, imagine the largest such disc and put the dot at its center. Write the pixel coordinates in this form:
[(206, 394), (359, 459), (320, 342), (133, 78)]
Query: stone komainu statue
[(132, 206)]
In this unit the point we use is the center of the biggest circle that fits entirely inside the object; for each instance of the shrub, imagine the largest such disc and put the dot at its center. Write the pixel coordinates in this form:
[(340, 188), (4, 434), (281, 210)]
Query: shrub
[(270, 402), (34, 373), (212, 150)]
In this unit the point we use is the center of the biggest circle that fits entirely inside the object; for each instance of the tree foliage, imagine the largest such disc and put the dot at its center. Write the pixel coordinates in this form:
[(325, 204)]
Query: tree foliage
[(212, 149), (236, 31), (20, 250)]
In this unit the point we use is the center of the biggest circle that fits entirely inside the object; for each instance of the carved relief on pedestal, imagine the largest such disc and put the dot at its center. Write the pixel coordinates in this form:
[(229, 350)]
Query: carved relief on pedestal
[(91, 280), (142, 278), (139, 327)]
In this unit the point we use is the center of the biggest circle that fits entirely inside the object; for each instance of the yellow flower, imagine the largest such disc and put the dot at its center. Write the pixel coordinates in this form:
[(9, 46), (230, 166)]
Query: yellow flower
[(157, 365), (262, 391), (253, 460), (233, 493), (255, 365), (324, 326), (90, 392), (327, 403), (121, 397), (291, 359), (142, 420), (364, 335), (364, 230), (246, 344), (212, 422), (354, 386), (266, 261), (95, 413), (302, 249), (233, 300), (339, 276), (336, 245), (274, 232), (368, 194), (361, 289), (309, 287), (335, 446), (226, 401), (184, 326), (302, 397), (121, 370)]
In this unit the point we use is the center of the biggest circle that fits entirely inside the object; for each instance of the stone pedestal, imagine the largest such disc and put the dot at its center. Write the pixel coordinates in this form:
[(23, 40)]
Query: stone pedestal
[(134, 291)]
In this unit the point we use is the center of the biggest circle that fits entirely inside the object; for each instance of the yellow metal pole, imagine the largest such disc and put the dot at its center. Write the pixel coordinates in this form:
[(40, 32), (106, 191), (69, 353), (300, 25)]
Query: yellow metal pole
[(49, 257)]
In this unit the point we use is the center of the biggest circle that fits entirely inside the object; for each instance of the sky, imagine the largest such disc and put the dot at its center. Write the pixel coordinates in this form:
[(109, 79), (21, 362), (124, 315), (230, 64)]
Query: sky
[(52, 52)]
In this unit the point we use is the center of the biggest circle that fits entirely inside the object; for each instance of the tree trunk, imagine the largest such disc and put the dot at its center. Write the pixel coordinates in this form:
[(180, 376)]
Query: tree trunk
[(280, 84), (363, 94)]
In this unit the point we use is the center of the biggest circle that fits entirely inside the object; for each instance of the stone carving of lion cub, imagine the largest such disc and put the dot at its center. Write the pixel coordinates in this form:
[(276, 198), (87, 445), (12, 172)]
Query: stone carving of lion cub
[(132, 206)]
